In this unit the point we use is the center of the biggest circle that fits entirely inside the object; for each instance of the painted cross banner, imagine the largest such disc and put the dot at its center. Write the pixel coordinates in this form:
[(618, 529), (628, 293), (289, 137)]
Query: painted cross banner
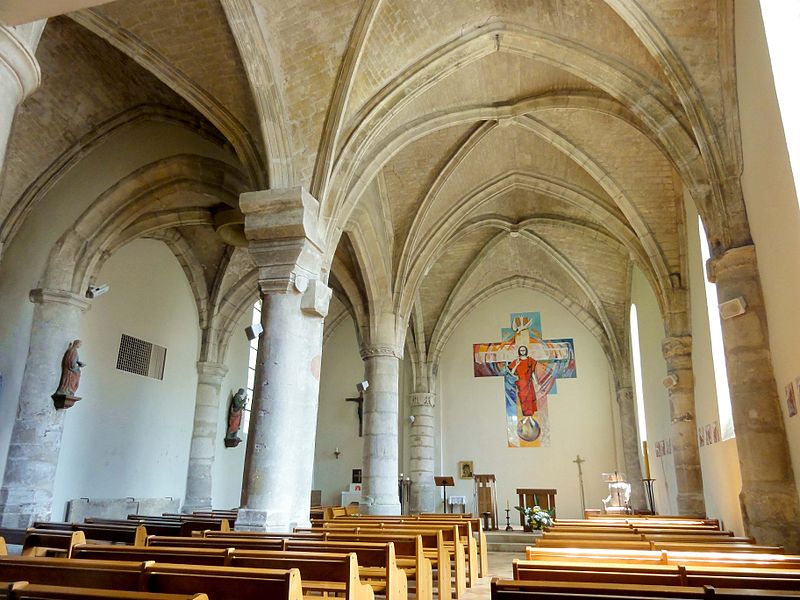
[(530, 366)]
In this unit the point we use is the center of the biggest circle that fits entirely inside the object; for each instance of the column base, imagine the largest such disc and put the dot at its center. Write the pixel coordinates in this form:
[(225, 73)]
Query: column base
[(196, 504), (19, 509), (770, 515), (250, 519), (691, 505), (388, 509)]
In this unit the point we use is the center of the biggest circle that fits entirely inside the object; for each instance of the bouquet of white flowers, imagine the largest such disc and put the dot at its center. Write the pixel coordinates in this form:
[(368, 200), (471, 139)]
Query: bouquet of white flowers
[(537, 517)]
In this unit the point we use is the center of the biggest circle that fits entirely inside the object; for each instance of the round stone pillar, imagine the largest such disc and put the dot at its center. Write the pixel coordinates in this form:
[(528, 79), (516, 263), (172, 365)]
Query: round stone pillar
[(379, 492), (683, 430), (768, 499), (421, 463), (199, 479), (19, 76), (279, 463), (27, 492), (630, 445)]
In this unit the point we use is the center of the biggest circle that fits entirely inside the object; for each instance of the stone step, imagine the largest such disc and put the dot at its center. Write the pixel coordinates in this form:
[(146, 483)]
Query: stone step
[(511, 537), (515, 547)]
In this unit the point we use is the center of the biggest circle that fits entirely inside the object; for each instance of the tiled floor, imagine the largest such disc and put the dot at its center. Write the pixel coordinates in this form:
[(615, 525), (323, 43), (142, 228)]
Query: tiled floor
[(499, 566)]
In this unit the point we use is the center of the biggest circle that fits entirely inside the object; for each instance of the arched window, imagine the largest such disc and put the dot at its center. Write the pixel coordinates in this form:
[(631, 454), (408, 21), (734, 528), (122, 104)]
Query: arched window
[(781, 25), (717, 347), (251, 368), (638, 383)]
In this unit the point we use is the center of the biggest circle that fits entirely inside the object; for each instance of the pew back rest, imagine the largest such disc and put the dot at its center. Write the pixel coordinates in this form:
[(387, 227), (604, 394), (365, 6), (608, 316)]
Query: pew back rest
[(44, 542)]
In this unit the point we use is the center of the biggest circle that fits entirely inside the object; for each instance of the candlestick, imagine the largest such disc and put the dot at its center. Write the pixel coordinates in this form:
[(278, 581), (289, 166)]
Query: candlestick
[(646, 460)]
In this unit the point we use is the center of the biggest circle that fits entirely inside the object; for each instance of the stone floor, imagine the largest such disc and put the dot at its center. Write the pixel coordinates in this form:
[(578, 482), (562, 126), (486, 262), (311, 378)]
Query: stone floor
[(499, 566)]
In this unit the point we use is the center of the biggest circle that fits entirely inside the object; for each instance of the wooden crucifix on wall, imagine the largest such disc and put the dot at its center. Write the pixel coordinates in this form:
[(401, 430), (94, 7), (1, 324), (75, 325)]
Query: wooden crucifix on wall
[(360, 401)]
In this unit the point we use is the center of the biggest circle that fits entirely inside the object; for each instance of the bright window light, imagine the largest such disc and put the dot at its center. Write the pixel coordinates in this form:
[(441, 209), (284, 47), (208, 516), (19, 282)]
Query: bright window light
[(251, 369), (717, 347), (637, 374), (781, 25)]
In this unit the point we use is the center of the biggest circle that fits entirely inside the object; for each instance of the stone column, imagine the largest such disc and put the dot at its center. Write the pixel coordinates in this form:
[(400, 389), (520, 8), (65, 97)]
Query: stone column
[(379, 493), (27, 492), (630, 445), (683, 430), (421, 463), (19, 76), (285, 244), (199, 481), (768, 499)]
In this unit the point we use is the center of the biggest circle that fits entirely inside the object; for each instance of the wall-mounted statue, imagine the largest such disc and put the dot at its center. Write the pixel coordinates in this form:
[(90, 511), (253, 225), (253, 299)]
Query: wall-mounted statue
[(70, 377), (238, 402)]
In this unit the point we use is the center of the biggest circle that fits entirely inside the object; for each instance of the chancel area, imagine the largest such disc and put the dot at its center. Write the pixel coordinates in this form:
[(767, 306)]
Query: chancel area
[(369, 298)]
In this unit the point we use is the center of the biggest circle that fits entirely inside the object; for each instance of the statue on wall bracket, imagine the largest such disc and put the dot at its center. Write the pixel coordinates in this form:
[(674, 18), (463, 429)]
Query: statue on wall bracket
[(70, 377), (238, 402)]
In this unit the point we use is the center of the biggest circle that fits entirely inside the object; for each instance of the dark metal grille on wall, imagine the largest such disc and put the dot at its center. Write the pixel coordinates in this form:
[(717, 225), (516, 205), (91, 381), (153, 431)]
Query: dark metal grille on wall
[(141, 357)]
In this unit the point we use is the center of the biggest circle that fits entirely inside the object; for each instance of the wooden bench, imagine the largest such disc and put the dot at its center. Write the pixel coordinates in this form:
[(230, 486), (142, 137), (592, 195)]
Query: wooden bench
[(457, 540), (219, 583), (326, 573), (461, 531), (377, 562), (411, 556), (532, 590), (133, 534), (51, 542), (724, 577), (22, 590), (445, 554)]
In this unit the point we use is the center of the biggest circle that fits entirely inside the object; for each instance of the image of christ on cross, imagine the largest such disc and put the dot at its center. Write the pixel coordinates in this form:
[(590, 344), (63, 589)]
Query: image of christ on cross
[(530, 366)]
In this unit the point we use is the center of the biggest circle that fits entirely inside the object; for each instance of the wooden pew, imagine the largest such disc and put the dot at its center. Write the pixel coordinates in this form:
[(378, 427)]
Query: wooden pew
[(544, 542), (51, 542), (219, 583), (604, 555), (476, 552), (383, 565), (319, 572), (3, 547), (458, 540), (378, 565), (442, 546), (132, 534), (533, 590), (412, 556), (23, 590), (723, 577)]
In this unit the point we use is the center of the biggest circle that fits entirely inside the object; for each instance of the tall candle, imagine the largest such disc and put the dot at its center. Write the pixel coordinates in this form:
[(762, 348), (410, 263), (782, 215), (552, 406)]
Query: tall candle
[(646, 459), (507, 505)]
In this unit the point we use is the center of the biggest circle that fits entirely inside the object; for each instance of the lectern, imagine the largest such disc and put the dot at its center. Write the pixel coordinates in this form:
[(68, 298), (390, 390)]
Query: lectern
[(443, 482), (486, 493)]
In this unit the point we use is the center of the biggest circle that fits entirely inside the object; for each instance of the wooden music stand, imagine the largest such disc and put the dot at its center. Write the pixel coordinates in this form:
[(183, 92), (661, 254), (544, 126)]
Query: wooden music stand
[(442, 482), (486, 493)]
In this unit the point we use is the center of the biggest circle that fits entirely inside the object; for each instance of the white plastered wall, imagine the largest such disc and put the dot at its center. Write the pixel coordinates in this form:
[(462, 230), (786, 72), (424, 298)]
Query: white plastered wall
[(656, 398), (337, 420), (23, 262), (722, 480), (472, 411), (130, 434), (771, 201)]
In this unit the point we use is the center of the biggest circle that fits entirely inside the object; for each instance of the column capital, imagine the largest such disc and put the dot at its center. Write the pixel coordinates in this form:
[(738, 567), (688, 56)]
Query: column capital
[(677, 347), (624, 394), (373, 350), (19, 63), (282, 228), (743, 257), (211, 373), (53, 296), (423, 399)]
